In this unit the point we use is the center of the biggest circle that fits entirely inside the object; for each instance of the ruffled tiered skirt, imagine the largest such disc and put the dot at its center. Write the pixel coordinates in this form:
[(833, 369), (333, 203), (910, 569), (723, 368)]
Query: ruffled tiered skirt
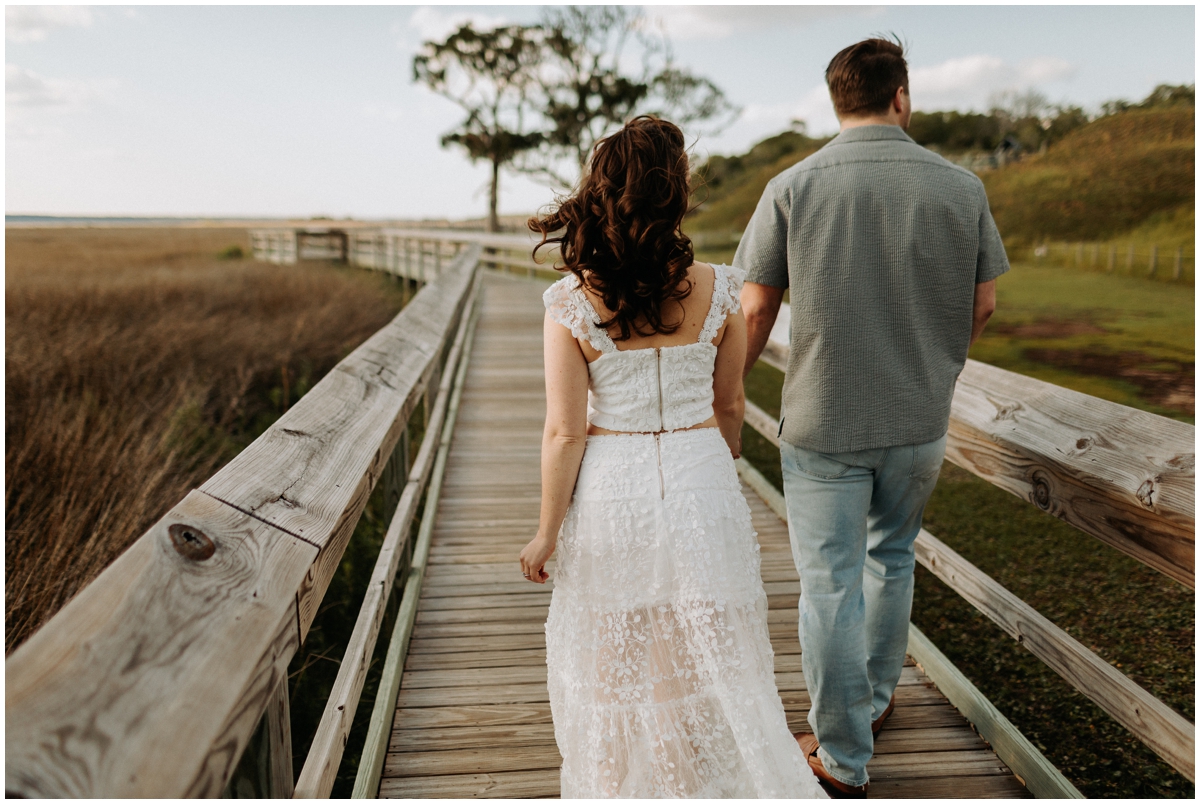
[(661, 673)]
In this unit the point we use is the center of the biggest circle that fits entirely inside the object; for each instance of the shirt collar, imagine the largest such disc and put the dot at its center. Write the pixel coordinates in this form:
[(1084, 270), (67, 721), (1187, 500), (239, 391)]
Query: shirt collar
[(871, 134)]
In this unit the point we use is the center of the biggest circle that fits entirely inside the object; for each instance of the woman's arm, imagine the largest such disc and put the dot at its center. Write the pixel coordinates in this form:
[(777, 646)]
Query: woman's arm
[(729, 398), (563, 441)]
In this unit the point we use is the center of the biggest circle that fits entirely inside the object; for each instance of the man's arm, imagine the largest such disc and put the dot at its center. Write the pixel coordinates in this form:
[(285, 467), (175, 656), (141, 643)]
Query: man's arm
[(760, 304), (985, 305)]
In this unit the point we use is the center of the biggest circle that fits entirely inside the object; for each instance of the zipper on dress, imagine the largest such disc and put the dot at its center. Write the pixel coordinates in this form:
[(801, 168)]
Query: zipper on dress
[(662, 486)]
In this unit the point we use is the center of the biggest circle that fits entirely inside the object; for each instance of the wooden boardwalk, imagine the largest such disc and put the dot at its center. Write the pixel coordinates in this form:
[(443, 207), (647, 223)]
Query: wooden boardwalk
[(473, 718)]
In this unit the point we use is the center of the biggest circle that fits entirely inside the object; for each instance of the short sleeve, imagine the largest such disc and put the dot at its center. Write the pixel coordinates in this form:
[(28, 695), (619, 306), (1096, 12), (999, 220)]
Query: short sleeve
[(762, 253), (563, 307), (726, 299), (992, 260), (566, 305)]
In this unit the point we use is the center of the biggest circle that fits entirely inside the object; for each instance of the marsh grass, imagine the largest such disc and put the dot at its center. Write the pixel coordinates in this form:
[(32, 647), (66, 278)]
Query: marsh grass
[(137, 363)]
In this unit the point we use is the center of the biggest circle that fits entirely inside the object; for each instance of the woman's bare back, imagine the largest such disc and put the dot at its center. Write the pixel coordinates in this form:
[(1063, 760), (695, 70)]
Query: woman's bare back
[(692, 310)]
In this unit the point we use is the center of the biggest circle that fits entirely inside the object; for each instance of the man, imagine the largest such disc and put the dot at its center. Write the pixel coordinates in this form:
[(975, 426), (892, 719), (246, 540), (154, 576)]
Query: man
[(891, 255)]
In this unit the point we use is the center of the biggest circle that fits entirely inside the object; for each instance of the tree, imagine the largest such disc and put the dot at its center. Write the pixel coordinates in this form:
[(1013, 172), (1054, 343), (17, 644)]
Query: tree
[(588, 89), (489, 74)]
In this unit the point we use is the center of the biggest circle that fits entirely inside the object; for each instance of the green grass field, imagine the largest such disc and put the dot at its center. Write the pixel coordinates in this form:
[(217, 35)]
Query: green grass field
[(1119, 338)]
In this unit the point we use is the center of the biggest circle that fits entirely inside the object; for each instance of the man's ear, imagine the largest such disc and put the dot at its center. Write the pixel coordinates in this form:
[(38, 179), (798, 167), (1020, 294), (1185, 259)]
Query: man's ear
[(898, 100)]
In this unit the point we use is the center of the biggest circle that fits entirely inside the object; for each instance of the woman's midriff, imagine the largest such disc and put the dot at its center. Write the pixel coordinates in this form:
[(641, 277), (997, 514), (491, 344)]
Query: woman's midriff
[(592, 430)]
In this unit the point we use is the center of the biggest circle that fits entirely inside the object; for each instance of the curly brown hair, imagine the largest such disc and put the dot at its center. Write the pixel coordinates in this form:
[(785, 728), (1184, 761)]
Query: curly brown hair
[(620, 231)]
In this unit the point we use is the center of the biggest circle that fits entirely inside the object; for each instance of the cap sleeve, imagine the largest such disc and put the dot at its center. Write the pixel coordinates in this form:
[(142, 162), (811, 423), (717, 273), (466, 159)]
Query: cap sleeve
[(563, 307)]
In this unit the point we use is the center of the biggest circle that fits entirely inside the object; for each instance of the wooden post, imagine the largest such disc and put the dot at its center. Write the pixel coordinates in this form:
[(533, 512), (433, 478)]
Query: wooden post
[(1112, 257), (1079, 255), (395, 475), (265, 768), (1153, 259), (1175, 274), (1095, 254), (1129, 259)]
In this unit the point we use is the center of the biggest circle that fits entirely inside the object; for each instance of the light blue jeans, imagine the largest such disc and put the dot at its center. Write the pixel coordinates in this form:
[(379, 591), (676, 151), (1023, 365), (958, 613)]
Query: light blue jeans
[(853, 518)]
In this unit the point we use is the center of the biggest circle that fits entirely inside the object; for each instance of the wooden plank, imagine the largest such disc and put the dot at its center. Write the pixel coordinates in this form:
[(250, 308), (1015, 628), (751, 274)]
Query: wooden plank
[(479, 694), (1125, 476), (532, 657), (152, 679), (480, 760), (458, 715), (1154, 723), (521, 784), (471, 644), (475, 737), (444, 678), (950, 787)]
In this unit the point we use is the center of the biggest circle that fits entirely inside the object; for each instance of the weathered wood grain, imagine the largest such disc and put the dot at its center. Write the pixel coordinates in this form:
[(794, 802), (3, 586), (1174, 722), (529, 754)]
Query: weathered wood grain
[(520, 784), (311, 473), (1166, 732), (152, 679), (1125, 476)]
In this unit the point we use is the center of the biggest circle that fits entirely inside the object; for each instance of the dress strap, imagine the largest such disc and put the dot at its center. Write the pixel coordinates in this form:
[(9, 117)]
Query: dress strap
[(568, 305), (726, 299)]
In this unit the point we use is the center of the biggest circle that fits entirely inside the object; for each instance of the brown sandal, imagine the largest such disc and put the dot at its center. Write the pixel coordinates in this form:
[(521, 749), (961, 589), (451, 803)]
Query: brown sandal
[(808, 746)]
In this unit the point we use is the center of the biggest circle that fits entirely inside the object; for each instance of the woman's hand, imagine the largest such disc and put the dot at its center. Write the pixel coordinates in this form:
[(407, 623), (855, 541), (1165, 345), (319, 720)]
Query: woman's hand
[(534, 558)]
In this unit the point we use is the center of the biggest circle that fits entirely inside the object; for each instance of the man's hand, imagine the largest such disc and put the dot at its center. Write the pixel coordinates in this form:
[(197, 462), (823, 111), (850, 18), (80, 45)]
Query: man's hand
[(760, 304), (985, 305)]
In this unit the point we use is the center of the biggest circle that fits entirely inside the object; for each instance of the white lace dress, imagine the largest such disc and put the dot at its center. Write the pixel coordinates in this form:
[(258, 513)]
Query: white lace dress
[(661, 673)]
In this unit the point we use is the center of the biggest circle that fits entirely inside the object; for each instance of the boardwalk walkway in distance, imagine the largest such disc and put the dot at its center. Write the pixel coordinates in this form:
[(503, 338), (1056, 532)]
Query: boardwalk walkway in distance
[(473, 717)]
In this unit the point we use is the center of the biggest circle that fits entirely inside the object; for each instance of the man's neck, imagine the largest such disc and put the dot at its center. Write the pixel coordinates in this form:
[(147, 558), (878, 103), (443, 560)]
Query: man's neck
[(874, 120)]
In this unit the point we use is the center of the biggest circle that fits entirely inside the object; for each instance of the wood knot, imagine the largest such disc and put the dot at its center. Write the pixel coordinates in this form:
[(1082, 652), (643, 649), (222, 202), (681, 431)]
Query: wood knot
[(1083, 443), (1041, 493), (1145, 492), (191, 542)]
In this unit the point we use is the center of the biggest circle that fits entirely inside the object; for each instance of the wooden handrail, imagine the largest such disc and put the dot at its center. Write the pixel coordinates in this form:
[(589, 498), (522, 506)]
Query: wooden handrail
[(152, 679), (1123, 475), (325, 754), (1158, 726)]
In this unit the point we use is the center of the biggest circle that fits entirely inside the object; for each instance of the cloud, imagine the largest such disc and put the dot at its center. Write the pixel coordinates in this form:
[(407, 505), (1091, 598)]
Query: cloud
[(432, 23), (34, 23), (687, 23), (28, 93), (969, 82)]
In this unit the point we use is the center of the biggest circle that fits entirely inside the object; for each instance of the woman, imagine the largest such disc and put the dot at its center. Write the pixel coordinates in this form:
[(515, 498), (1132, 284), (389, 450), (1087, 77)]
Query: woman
[(661, 673)]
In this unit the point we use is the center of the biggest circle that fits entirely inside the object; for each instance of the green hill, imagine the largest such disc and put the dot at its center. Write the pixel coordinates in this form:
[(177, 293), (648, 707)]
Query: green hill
[(1130, 170), (728, 187), (1100, 181)]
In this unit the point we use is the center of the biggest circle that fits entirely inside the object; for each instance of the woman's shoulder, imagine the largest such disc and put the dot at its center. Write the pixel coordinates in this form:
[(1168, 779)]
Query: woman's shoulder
[(565, 307)]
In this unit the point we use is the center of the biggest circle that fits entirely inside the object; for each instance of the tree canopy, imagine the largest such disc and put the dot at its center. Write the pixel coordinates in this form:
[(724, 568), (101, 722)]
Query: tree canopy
[(539, 97)]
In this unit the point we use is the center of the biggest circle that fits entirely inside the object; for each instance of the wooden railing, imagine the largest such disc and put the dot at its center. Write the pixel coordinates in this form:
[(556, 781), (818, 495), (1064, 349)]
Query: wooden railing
[(157, 676), (1122, 475)]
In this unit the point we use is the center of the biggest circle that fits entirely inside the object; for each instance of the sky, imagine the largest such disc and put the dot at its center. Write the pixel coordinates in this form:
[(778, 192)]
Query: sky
[(283, 111)]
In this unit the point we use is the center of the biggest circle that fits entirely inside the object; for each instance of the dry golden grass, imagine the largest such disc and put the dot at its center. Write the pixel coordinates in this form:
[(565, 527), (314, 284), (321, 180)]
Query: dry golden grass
[(136, 364)]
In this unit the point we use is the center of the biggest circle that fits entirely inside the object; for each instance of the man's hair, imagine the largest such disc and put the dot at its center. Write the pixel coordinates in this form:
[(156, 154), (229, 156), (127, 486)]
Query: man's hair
[(864, 77)]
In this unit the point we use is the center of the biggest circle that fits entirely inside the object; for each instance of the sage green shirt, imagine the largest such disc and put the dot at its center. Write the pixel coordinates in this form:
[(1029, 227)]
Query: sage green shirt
[(882, 243)]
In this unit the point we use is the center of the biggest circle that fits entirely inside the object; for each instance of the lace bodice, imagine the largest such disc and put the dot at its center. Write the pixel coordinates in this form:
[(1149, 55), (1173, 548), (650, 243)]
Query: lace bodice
[(654, 389)]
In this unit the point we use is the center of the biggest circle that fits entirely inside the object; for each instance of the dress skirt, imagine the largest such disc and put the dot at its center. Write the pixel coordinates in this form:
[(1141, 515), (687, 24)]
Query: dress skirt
[(661, 672)]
